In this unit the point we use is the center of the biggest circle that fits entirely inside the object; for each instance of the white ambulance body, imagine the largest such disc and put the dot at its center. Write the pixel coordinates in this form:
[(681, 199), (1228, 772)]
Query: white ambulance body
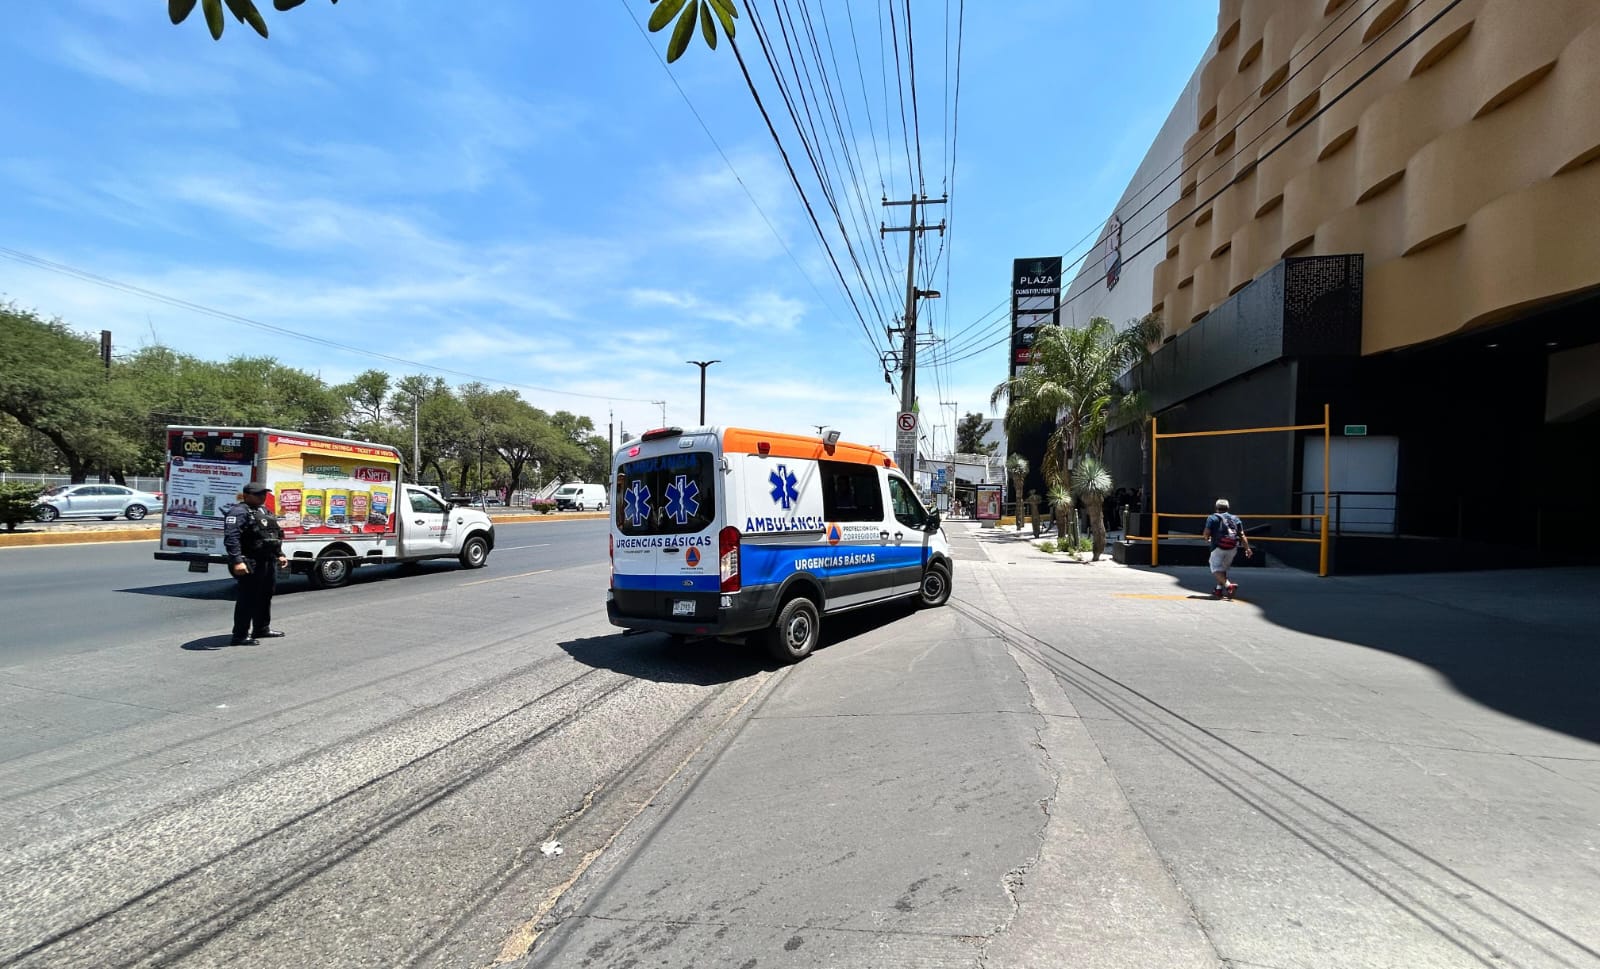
[(728, 532)]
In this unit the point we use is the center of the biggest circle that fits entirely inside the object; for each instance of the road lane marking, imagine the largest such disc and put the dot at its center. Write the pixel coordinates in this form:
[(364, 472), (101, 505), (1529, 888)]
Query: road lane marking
[(502, 578), (1144, 595), (513, 548)]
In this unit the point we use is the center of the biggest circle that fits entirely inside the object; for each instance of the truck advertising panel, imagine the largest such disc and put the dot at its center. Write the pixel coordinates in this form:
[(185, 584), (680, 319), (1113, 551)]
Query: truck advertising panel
[(206, 470), (331, 487)]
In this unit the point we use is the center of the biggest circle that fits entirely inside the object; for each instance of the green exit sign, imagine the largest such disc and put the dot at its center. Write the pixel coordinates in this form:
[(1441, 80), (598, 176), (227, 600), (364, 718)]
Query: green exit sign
[(1355, 430)]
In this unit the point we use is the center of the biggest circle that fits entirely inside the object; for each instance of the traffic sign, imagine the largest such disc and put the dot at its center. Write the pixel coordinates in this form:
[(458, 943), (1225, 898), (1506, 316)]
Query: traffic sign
[(1355, 430), (907, 421)]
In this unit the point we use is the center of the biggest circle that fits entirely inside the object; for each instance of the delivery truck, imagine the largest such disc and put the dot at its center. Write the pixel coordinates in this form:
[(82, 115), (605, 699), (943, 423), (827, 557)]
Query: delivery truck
[(341, 503)]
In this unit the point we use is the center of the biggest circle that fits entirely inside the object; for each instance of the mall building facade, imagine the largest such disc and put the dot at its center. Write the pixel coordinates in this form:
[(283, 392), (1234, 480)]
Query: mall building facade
[(1391, 207)]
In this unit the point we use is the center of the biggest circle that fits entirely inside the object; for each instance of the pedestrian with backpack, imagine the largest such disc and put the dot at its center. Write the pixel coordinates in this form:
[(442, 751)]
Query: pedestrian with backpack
[(1226, 534)]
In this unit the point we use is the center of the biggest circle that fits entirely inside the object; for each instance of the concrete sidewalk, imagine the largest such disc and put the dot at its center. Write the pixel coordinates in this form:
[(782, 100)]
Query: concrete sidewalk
[(1092, 765)]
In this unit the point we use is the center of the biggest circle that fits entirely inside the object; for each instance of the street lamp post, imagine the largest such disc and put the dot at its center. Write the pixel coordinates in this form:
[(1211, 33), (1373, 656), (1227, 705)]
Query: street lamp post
[(702, 364)]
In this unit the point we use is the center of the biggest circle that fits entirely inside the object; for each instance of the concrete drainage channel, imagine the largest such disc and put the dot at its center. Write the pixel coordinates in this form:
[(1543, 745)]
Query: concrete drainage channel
[(80, 533)]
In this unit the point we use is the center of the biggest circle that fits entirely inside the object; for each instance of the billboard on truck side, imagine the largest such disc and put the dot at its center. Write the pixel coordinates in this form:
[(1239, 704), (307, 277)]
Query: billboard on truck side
[(317, 486)]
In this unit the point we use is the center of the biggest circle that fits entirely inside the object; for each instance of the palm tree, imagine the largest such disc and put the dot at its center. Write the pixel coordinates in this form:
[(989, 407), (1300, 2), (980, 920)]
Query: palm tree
[(1061, 509), (1074, 381), (1017, 468), (1091, 482)]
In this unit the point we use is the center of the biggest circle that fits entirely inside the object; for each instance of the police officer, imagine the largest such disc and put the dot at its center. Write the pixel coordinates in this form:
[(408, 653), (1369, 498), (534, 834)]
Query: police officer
[(255, 553)]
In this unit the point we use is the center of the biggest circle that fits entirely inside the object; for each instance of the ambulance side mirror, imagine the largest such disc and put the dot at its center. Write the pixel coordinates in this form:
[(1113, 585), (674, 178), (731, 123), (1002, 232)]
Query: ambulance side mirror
[(933, 522)]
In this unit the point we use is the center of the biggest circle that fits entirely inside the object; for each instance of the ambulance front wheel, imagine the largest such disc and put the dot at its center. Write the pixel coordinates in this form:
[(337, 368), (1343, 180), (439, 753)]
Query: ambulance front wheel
[(935, 585), (793, 637)]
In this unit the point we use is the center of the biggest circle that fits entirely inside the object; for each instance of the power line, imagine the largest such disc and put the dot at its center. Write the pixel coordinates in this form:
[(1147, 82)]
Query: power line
[(1237, 152), (724, 155), (1302, 126), (1221, 125), (911, 70), (816, 166), (750, 83)]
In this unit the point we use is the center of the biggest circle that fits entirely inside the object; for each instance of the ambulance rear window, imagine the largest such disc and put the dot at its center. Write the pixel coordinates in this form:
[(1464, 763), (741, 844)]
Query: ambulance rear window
[(666, 495)]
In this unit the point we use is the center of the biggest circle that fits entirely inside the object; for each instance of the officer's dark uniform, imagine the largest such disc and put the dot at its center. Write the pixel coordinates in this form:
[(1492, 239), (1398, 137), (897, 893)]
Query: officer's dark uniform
[(253, 536)]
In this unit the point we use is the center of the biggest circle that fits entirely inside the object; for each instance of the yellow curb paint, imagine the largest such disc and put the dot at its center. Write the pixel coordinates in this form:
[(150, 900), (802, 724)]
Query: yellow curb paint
[(32, 539), (78, 538)]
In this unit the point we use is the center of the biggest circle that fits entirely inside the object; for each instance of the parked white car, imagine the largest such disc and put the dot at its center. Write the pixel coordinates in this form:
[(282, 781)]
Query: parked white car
[(103, 501)]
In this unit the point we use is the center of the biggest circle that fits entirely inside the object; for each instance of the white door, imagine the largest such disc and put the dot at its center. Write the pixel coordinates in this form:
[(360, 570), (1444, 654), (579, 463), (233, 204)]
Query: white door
[(908, 522), (424, 526), (1360, 464)]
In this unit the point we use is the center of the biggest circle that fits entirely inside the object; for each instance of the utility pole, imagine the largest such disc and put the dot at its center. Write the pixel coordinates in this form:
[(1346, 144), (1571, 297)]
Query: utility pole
[(702, 364), (416, 439), (908, 360), (663, 405)]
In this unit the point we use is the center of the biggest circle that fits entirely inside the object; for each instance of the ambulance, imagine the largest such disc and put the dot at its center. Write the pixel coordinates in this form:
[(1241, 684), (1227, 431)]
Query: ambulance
[(730, 532)]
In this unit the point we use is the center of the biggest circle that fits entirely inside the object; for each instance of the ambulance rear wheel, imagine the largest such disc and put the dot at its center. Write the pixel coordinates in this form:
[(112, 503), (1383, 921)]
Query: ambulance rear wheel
[(793, 637), (935, 586)]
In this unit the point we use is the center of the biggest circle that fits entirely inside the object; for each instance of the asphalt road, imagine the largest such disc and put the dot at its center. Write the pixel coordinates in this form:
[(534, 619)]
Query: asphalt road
[(62, 599), (1068, 765), (372, 789)]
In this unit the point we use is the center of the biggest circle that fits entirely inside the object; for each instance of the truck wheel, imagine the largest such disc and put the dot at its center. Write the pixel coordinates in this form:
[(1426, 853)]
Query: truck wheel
[(331, 570), (935, 586), (793, 637), (135, 512), (475, 553)]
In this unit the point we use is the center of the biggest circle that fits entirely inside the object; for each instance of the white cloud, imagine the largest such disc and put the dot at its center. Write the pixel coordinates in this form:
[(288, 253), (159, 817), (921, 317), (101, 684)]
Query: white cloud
[(760, 310)]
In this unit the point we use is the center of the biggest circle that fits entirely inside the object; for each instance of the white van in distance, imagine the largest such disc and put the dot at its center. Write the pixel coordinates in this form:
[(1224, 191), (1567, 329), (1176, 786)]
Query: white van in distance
[(580, 497), (727, 531)]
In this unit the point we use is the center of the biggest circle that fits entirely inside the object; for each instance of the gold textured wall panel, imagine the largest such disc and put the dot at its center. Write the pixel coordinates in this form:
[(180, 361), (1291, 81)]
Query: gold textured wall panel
[(1466, 168)]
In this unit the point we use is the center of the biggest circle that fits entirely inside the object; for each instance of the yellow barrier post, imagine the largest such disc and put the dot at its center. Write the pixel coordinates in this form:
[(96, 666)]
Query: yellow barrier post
[(1326, 427), (1327, 477), (1155, 516)]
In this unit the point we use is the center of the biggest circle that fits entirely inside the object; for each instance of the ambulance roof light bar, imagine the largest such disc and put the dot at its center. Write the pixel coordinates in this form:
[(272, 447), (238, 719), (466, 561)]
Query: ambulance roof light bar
[(660, 432)]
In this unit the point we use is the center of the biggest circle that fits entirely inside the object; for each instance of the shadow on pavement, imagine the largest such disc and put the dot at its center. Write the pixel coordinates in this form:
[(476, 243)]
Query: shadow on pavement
[(1521, 643), (222, 588), (206, 644), (706, 662)]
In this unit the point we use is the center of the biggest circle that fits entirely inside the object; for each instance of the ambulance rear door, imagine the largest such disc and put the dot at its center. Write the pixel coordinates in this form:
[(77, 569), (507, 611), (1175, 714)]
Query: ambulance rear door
[(664, 529)]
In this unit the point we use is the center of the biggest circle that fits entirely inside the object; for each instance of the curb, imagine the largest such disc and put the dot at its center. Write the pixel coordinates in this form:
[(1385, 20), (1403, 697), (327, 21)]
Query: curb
[(33, 539), (79, 538)]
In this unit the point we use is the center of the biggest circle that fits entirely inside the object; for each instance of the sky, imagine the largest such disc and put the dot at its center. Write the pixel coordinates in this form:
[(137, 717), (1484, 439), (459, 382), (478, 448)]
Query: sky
[(519, 192)]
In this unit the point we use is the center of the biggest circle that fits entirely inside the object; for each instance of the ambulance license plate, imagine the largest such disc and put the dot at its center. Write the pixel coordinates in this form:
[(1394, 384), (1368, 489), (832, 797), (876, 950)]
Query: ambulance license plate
[(683, 607)]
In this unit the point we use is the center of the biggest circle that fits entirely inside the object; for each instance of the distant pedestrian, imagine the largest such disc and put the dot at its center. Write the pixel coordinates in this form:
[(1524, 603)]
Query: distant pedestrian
[(254, 542), (1226, 534)]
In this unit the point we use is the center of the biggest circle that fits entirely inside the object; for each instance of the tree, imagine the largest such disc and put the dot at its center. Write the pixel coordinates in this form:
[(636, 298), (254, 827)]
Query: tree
[(365, 399), (1073, 381), (1017, 467), (16, 503), (969, 435), (53, 382), (1091, 482), (707, 13)]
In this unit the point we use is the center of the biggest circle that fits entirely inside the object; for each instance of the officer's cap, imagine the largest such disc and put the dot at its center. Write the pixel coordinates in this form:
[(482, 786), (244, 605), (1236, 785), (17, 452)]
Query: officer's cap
[(255, 488)]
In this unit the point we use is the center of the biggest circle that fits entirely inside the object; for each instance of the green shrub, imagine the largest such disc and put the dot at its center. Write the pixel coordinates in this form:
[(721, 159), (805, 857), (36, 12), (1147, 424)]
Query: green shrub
[(543, 506), (1047, 546), (16, 503)]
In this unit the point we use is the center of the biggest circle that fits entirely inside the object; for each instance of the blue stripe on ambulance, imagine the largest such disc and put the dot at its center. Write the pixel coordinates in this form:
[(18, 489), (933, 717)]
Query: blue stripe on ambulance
[(669, 583), (771, 564)]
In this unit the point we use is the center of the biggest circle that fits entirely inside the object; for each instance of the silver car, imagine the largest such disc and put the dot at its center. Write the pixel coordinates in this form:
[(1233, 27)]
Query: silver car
[(103, 501)]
